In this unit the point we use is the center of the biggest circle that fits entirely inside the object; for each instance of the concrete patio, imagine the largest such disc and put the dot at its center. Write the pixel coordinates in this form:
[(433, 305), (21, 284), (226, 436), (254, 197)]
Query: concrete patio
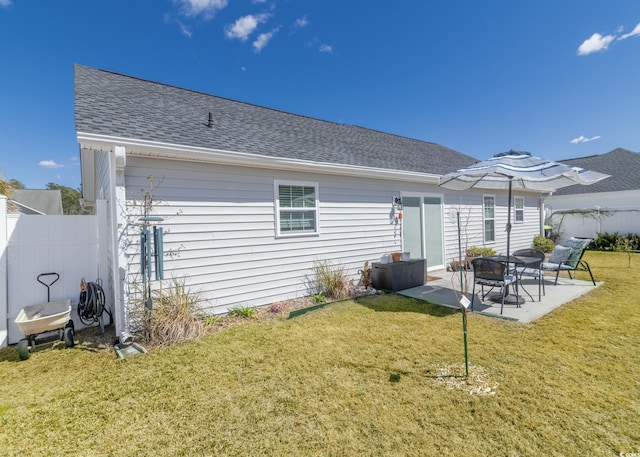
[(439, 291)]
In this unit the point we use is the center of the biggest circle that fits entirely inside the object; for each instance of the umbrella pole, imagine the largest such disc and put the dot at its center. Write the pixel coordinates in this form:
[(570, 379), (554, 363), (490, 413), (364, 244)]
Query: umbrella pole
[(460, 255), (509, 222)]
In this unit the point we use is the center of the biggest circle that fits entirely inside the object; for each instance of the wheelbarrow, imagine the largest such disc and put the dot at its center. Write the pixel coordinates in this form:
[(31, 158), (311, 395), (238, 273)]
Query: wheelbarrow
[(36, 320)]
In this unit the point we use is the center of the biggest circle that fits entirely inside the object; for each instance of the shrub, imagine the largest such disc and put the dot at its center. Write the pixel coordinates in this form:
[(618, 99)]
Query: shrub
[(543, 244), (176, 316), (611, 241), (243, 311), (328, 280), (477, 251)]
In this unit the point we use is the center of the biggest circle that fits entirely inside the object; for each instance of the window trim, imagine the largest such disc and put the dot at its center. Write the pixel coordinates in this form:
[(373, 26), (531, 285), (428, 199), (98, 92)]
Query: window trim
[(485, 219), (516, 210), (278, 209)]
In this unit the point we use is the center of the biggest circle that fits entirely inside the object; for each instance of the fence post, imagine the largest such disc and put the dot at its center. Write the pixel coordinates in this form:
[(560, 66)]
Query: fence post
[(4, 302)]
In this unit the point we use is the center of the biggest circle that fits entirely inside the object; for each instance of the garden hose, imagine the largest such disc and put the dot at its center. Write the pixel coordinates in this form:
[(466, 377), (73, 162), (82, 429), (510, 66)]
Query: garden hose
[(91, 302)]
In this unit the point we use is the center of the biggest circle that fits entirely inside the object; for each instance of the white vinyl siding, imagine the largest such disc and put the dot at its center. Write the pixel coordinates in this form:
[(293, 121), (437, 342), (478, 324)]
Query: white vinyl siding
[(220, 224), (489, 209), (296, 208)]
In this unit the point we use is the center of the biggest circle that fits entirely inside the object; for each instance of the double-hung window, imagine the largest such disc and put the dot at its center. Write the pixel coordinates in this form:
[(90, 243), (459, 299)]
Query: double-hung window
[(296, 208), (518, 205), (489, 211)]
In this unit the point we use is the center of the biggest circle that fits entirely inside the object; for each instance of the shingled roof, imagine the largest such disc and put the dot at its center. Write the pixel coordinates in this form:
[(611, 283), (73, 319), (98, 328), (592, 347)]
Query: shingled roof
[(115, 105), (621, 164)]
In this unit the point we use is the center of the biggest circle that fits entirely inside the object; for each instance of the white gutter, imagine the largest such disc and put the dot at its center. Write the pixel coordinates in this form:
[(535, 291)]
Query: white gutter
[(144, 148)]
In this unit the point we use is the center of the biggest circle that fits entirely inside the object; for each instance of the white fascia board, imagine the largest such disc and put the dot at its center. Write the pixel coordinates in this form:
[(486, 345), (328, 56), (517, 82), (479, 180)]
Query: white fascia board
[(169, 151)]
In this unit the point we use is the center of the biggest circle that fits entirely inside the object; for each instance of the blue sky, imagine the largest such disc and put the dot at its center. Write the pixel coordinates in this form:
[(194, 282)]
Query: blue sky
[(556, 78)]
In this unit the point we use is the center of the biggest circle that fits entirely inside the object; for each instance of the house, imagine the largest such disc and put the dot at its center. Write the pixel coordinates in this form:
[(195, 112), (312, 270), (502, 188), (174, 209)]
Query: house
[(611, 205), (250, 197), (37, 201)]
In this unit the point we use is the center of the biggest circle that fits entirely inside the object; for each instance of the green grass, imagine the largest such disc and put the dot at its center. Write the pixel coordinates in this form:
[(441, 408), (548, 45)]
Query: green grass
[(352, 378)]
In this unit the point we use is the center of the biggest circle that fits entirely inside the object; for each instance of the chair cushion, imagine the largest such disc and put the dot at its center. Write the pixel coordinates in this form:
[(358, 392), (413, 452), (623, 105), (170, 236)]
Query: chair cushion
[(528, 271), (559, 254), (577, 246), (508, 279)]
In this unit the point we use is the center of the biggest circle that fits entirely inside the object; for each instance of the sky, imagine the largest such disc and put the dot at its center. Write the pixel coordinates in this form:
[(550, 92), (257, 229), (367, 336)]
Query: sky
[(557, 78)]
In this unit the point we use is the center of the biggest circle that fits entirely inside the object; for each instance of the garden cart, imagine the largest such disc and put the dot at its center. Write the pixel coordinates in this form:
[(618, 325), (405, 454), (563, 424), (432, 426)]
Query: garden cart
[(36, 320)]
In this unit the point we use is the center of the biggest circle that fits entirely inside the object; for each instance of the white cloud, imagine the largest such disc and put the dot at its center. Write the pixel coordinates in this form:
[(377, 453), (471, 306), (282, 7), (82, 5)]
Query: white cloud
[(583, 139), (634, 32), (596, 43), (186, 31), (206, 7), (326, 48), (302, 22), (245, 26), (50, 164), (263, 39), (5, 2)]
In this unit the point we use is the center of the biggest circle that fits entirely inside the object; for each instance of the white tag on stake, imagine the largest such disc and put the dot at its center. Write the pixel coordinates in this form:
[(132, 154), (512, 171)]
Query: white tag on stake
[(464, 301)]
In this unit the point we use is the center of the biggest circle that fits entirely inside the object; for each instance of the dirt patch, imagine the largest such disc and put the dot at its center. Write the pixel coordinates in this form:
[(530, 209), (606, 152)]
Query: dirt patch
[(93, 339)]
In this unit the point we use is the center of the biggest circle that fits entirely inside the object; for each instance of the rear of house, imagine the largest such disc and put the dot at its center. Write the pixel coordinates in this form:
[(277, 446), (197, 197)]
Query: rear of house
[(250, 197)]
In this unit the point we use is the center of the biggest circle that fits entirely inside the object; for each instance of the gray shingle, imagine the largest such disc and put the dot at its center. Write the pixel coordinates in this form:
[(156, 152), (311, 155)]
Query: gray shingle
[(621, 164), (113, 104)]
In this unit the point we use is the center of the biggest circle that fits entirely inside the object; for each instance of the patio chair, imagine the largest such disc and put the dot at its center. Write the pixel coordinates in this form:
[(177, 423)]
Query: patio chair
[(532, 270), (568, 257), (492, 273)]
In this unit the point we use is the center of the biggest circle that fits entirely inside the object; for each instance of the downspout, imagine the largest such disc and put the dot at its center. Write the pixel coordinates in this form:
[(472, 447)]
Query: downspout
[(117, 164)]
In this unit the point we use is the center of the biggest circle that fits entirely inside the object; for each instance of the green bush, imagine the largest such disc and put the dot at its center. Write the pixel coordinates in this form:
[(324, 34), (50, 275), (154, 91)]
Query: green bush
[(477, 251), (542, 244), (611, 241)]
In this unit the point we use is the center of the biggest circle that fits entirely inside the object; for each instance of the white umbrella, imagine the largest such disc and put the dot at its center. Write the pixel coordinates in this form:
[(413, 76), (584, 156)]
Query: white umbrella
[(518, 170)]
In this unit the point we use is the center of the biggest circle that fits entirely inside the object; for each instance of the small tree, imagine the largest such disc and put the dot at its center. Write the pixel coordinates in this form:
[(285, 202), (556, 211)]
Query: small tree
[(624, 245)]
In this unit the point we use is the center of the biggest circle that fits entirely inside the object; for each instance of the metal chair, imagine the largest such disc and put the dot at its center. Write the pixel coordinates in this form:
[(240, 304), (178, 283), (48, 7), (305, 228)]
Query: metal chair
[(569, 258), (532, 270), (492, 273)]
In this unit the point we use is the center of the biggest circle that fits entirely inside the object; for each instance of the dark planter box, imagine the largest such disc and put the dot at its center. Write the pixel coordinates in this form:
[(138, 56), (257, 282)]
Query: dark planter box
[(399, 275)]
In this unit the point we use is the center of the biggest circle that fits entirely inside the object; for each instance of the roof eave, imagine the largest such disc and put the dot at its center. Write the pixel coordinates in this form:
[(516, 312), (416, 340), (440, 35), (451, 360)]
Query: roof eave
[(169, 151)]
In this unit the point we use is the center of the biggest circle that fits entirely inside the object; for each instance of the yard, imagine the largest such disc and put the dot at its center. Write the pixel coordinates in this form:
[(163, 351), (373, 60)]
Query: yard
[(366, 377)]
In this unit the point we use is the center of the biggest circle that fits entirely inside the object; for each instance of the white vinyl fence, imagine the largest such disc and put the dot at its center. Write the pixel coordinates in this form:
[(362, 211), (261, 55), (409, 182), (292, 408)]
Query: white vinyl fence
[(31, 245)]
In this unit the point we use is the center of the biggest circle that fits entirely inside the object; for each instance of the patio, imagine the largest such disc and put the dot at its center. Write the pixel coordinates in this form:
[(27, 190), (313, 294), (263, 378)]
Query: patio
[(439, 291)]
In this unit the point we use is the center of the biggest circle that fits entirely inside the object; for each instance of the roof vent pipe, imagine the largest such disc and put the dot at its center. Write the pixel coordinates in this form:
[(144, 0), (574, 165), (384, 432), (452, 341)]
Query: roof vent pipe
[(210, 123)]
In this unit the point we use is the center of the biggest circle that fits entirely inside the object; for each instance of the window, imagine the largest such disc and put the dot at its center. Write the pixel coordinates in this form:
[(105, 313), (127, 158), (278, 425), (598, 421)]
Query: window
[(296, 208), (518, 205), (489, 209)]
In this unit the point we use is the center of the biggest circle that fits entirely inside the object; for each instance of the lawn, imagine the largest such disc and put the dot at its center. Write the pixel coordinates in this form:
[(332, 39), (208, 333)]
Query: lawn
[(354, 378)]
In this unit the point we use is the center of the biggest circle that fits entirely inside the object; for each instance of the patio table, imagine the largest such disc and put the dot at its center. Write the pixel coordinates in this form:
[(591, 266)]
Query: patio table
[(513, 262)]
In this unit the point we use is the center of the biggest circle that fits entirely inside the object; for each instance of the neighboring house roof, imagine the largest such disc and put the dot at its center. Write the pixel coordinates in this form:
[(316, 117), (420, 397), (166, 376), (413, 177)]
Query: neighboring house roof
[(36, 201), (114, 105), (621, 164)]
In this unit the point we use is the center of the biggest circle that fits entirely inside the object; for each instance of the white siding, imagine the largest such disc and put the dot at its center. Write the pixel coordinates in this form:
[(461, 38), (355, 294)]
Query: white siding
[(469, 203), (220, 232)]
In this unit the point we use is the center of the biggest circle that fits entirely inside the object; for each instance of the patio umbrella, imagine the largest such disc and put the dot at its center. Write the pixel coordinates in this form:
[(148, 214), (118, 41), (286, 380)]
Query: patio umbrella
[(518, 170)]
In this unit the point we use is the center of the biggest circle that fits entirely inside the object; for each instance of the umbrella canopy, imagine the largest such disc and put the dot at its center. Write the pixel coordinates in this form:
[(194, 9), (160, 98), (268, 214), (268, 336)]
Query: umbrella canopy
[(518, 170)]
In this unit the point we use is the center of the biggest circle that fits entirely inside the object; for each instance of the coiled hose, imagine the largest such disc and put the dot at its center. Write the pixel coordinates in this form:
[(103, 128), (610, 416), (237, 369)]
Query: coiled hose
[(91, 302)]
